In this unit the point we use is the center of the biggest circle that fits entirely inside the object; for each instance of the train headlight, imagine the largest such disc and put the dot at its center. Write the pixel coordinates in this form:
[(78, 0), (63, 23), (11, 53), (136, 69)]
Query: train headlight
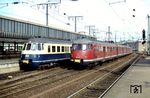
[(77, 60), (25, 61)]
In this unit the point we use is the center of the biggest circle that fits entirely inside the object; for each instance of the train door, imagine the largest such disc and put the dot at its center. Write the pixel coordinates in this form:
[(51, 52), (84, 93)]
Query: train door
[(117, 50), (95, 51), (104, 51)]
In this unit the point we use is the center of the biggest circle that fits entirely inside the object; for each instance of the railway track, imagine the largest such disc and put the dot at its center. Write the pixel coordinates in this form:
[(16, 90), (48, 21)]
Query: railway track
[(65, 89), (55, 83), (99, 87), (4, 76), (123, 71), (20, 75), (31, 81)]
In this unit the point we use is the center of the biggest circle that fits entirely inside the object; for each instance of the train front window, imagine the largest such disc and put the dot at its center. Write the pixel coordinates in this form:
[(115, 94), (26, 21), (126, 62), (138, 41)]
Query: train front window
[(81, 47), (84, 47), (28, 47), (24, 47), (77, 47), (34, 46), (39, 46), (42, 46)]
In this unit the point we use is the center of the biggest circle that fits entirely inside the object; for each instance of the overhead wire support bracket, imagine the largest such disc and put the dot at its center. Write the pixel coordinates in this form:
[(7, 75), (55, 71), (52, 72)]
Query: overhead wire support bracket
[(117, 2), (75, 18), (2, 5)]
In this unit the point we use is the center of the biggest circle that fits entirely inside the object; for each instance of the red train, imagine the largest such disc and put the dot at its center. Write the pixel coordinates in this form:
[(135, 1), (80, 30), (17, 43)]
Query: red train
[(85, 51)]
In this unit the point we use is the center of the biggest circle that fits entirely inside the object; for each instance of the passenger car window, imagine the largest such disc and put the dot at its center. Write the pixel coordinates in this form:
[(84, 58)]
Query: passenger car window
[(66, 49), (62, 48), (49, 49), (53, 48), (58, 48)]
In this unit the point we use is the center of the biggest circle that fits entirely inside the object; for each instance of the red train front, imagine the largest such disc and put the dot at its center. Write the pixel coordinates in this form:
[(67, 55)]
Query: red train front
[(82, 51)]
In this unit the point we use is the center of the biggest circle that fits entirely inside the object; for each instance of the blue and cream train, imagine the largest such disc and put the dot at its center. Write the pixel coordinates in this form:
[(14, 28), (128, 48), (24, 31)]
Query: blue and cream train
[(40, 51)]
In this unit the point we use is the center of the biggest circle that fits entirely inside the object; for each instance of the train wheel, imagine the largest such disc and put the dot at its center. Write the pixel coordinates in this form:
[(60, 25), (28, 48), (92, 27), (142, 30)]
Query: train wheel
[(42, 67), (90, 66)]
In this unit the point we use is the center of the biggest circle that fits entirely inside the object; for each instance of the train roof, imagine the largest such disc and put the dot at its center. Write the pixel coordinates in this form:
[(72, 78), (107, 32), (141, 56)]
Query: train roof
[(46, 40), (82, 41), (89, 41)]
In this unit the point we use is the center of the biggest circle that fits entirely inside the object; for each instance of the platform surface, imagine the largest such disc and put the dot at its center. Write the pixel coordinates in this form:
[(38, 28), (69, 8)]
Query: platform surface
[(135, 83), (9, 65), (5, 61)]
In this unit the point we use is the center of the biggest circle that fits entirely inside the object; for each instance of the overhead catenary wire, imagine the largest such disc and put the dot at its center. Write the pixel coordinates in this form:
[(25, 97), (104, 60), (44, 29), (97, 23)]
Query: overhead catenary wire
[(42, 12), (122, 19)]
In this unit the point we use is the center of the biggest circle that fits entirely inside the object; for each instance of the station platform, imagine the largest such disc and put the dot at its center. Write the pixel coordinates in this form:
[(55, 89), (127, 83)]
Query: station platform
[(135, 83), (9, 65)]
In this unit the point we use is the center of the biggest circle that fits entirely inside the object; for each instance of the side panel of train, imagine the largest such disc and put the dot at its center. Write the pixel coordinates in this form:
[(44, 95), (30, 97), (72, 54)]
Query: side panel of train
[(35, 55), (93, 52)]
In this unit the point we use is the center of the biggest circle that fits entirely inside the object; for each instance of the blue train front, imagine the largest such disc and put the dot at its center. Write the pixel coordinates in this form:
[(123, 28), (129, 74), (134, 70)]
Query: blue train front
[(39, 51)]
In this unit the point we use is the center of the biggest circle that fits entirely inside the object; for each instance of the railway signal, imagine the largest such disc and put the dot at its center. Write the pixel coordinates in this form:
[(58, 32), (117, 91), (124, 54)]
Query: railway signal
[(143, 36), (144, 42)]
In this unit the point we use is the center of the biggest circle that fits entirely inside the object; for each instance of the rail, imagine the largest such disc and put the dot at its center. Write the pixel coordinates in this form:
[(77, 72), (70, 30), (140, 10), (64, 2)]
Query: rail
[(132, 61), (118, 78)]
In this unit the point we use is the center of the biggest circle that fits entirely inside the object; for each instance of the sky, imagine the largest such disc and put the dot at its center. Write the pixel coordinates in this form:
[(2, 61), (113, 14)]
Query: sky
[(116, 14)]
